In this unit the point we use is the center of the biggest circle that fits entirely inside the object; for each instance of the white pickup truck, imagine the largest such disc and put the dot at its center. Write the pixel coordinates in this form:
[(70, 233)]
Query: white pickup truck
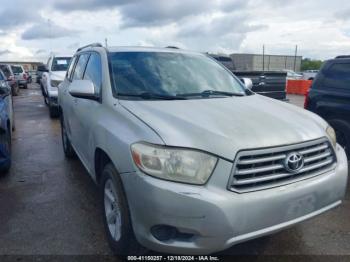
[(53, 75)]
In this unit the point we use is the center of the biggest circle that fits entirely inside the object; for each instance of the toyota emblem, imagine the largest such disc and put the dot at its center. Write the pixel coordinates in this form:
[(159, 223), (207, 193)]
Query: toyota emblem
[(294, 162)]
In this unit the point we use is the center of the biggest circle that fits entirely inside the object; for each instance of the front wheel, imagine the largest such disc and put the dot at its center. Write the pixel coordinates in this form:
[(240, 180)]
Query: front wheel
[(116, 215), (5, 141)]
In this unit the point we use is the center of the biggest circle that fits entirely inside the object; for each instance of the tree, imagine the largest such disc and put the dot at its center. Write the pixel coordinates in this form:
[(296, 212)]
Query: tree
[(309, 64)]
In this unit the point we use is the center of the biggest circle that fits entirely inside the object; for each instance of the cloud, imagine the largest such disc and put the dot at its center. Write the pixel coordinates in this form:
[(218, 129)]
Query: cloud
[(343, 14), (5, 52), (46, 31), (40, 51), (148, 13)]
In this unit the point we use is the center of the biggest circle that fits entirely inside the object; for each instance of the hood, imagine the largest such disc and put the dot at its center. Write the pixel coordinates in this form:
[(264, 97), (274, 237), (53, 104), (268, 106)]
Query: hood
[(57, 75), (224, 126)]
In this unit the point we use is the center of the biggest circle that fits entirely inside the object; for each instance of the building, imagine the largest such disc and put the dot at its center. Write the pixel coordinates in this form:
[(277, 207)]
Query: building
[(28, 66), (255, 62)]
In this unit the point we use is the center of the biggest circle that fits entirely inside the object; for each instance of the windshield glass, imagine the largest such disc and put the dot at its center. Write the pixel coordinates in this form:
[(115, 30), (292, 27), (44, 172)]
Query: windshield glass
[(60, 63), (166, 73), (17, 69)]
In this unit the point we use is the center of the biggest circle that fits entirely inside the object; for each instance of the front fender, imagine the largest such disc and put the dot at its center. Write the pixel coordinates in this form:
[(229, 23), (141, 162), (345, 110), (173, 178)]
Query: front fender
[(115, 131)]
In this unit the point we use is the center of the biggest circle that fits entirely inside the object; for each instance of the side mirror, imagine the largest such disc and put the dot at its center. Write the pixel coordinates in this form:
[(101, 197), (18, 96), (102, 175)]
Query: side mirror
[(43, 69), (83, 89), (248, 83)]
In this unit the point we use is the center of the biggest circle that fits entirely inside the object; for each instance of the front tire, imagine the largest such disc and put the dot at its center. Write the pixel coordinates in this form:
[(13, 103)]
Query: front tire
[(116, 215), (5, 139)]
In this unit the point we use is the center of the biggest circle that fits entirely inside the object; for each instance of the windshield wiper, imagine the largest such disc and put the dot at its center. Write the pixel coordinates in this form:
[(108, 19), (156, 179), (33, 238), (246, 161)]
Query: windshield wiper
[(148, 95), (207, 93)]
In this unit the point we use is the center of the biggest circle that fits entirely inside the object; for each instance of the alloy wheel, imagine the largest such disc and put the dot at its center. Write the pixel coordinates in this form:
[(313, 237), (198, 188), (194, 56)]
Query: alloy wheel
[(112, 210)]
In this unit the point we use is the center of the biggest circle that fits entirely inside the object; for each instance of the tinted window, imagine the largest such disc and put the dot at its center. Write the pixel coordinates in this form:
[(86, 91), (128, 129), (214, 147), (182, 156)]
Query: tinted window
[(169, 73), (80, 67), (93, 71), (5, 70), (17, 69), (60, 63), (338, 76), (71, 66)]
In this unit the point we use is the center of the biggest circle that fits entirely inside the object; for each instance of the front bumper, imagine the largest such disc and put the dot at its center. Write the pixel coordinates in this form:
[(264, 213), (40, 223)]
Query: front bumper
[(216, 218)]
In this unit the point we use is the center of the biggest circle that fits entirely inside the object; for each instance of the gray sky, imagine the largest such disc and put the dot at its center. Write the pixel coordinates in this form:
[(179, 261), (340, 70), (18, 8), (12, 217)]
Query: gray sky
[(29, 30)]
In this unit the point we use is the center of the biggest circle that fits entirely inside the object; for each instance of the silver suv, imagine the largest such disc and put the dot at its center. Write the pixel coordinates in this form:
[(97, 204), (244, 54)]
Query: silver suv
[(189, 160), (51, 77)]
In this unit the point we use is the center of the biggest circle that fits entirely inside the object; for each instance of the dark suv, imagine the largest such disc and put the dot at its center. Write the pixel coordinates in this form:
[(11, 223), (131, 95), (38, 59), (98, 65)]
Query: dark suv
[(329, 97)]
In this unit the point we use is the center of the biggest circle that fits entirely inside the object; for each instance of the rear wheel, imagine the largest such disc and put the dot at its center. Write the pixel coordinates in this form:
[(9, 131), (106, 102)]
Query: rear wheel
[(116, 215), (67, 146), (15, 90), (53, 110), (342, 131)]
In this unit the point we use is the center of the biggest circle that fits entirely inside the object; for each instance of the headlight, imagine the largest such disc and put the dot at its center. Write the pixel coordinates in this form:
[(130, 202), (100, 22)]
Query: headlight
[(55, 83), (180, 165), (331, 133)]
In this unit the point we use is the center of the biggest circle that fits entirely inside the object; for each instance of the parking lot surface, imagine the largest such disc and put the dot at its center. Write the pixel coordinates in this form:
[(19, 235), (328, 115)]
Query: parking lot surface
[(49, 205)]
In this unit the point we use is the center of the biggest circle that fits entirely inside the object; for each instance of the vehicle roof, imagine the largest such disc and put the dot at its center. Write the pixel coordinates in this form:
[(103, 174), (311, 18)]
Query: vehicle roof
[(148, 49), (61, 55)]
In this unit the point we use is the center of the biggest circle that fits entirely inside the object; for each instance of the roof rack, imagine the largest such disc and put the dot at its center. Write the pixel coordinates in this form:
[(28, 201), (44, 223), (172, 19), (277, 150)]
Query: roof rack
[(173, 47), (342, 56), (90, 45)]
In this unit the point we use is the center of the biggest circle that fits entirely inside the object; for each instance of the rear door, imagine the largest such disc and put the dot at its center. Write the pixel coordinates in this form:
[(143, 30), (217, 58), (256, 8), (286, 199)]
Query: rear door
[(85, 110), (72, 103)]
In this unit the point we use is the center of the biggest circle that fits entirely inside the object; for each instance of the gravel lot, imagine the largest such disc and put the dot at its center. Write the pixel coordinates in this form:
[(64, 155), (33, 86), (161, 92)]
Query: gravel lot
[(49, 205)]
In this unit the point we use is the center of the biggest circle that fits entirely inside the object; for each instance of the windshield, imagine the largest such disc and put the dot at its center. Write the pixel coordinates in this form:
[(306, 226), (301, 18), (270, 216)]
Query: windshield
[(60, 63), (172, 74), (17, 69)]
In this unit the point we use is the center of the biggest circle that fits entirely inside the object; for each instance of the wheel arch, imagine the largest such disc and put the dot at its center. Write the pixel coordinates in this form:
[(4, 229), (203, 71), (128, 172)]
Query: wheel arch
[(101, 158)]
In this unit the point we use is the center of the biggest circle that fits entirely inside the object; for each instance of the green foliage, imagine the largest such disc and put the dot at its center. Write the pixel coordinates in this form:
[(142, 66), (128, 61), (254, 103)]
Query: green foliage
[(308, 64)]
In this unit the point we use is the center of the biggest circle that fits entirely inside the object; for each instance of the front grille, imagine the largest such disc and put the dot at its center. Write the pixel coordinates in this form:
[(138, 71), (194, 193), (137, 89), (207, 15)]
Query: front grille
[(265, 168)]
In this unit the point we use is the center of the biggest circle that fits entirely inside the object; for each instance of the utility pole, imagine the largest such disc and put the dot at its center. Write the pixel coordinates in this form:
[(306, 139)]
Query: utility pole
[(106, 42), (263, 58), (295, 57), (50, 36)]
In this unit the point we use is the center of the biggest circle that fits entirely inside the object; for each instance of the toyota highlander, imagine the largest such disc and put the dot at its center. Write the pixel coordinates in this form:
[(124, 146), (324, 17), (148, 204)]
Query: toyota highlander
[(187, 158)]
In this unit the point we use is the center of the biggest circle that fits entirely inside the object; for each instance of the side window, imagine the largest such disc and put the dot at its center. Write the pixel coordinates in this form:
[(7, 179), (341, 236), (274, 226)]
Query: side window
[(5, 70), (80, 67), (70, 68), (93, 71), (338, 76)]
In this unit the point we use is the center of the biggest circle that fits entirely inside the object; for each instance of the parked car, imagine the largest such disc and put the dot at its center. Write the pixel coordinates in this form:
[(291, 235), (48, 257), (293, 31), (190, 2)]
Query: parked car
[(187, 159), (40, 70), (329, 97), (291, 75), (6, 124), (309, 74), (20, 75), (10, 78), (52, 76)]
